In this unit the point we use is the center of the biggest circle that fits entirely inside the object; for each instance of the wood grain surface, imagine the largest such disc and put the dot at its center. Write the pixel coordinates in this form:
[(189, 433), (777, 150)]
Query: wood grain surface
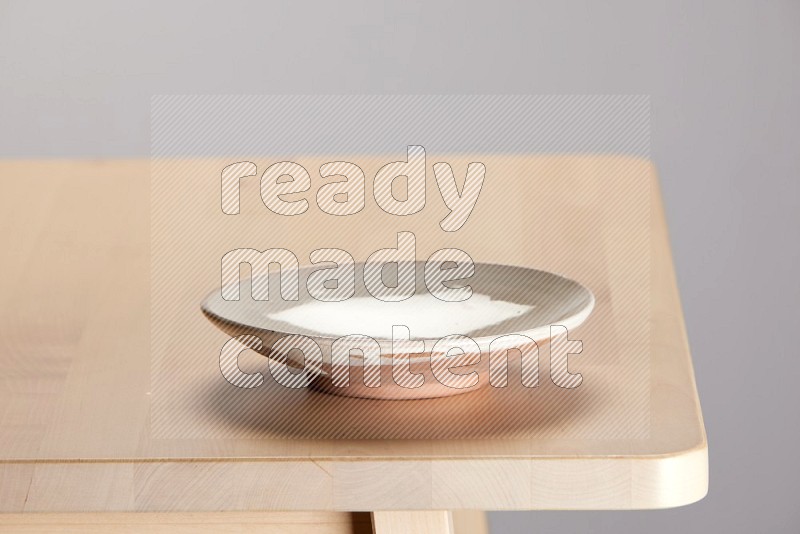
[(86, 423)]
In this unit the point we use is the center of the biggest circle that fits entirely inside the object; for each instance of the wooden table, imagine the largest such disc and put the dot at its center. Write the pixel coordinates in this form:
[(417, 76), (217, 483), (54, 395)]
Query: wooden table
[(85, 429)]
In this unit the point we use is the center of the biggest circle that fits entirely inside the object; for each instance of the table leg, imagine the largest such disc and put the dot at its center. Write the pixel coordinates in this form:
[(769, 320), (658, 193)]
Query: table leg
[(470, 522), (430, 522), (422, 522)]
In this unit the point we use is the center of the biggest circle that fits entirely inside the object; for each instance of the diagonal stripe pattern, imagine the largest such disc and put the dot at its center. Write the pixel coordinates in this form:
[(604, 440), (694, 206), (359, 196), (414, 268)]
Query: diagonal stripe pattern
[(209, 156)]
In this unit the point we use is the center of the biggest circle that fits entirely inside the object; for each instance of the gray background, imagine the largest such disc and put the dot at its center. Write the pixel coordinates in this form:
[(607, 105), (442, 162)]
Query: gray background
[(76, 79)]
